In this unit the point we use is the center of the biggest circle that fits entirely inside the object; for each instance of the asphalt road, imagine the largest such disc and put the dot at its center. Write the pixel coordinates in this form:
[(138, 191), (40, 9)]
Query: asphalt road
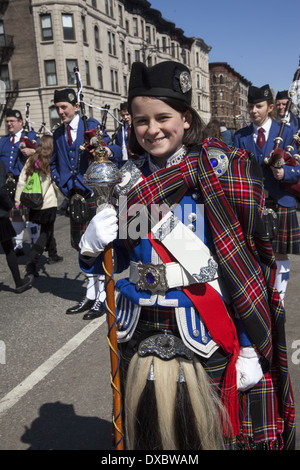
[(55, 390)]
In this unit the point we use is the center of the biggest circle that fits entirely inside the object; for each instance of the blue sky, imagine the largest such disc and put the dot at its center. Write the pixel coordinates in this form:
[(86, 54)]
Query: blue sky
[(238, 30)]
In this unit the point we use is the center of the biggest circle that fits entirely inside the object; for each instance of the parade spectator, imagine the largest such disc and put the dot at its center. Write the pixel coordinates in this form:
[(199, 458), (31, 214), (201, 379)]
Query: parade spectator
[(45, 215)]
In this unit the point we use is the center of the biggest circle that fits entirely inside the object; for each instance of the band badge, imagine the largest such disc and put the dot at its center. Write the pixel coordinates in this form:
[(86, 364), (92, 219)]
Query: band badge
[(218, 160), (185, 82)]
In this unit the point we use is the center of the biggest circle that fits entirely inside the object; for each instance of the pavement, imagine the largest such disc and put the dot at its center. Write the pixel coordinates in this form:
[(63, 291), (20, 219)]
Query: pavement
[(55, 390)]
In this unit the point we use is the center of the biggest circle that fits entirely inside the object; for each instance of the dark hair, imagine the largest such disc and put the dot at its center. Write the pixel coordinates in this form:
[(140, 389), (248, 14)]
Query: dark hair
[(212, 129), (192, 136)]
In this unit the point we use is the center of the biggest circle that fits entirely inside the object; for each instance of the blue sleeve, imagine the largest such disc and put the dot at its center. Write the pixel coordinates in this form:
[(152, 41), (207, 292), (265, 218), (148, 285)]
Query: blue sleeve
[(243, 338), (94, 265)]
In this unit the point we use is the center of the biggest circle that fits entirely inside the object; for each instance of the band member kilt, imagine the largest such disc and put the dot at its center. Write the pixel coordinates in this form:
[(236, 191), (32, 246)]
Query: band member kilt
[(78, 229)]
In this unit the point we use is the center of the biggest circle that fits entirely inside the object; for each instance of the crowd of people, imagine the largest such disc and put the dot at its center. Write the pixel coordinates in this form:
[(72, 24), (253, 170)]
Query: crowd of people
[(201, 336)]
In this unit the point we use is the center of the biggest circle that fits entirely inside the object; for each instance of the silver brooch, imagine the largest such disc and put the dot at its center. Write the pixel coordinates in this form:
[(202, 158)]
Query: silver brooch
[(218, 160), (185, 82), (71, 96)]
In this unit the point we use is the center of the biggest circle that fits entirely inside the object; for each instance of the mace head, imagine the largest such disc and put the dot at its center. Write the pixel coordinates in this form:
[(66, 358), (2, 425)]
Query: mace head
[(102, 175)]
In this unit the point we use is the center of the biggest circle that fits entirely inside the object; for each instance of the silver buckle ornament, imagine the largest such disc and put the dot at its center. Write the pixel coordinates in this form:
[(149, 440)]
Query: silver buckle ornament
[(152, 277)]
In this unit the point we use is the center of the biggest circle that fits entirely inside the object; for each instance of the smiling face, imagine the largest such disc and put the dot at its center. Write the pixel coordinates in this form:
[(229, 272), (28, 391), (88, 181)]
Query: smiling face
[(158, 127), (14, 125), (281, 107), (66, 111), (259, 112)]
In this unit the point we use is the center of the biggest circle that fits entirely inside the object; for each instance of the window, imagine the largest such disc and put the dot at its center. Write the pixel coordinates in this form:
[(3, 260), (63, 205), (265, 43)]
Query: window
[(125, 85), (71, 64), (100, 78), (4, 78), (135, 27), (83, 28), (129, 60), (46, 25), (137, 55), (114, 81), (111, 39), (109, 8), (94, 3), (172, 49), (54, 117), (120, 15), (164, 44), (68, 28), (87, 72), (148, 35), (122, 48), (50, 72), (96, 37), (2, 38)]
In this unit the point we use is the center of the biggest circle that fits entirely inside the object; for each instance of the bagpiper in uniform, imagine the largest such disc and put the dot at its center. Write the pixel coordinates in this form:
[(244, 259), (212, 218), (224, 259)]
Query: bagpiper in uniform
[(68, 164), (14, 157)]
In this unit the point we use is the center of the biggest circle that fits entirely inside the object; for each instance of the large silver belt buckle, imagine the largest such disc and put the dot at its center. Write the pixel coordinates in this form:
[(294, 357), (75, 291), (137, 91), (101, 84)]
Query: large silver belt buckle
[(152, 277)]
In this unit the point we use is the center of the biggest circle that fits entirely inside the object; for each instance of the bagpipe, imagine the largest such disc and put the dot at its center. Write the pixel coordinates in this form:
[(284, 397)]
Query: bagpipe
[(279, 156), (90, 135), (25, 141)]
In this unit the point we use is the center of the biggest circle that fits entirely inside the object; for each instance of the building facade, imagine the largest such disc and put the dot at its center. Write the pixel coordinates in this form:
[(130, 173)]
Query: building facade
[(228, 95), (42, 41)]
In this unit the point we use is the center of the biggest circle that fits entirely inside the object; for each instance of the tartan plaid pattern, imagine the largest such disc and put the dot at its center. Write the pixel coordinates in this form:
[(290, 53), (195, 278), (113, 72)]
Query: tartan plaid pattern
[(234, 204), (288, 238)]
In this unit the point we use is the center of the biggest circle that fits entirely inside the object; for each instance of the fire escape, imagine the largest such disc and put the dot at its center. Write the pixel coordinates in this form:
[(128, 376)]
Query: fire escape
[(8, 88)]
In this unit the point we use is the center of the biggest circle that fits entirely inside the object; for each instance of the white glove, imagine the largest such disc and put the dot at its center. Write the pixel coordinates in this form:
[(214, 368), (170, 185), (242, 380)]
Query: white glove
[(101, 230), (248, 369)]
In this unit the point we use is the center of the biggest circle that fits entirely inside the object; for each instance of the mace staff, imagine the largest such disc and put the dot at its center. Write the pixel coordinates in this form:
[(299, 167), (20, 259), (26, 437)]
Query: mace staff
[(102, 176)]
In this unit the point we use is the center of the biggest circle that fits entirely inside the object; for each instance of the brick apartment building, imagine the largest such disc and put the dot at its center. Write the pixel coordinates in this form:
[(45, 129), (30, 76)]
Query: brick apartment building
[(42, 41), (228, 95)]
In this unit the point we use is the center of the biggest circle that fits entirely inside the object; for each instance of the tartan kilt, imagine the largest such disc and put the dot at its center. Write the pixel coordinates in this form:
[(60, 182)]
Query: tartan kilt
[(77, 230), (288, 238), (261, 423)]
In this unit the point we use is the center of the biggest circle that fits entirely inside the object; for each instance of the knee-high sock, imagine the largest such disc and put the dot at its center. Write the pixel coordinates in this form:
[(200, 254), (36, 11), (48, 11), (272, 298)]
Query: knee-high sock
[(19, 228), (33, 231), (91, 286), (282, 277), (101, 288)]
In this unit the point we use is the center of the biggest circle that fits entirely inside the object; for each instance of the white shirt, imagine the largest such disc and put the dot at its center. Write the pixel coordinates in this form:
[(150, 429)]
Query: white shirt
[(266, 127), (74, 126), (17, 136)]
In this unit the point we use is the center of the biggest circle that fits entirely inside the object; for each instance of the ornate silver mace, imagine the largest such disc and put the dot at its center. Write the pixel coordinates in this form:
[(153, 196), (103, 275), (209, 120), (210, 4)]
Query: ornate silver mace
[(102, 176)]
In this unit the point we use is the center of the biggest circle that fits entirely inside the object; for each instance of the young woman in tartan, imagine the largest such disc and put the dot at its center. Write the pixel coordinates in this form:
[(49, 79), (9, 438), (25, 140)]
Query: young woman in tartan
[(201, 352), (261, 109)]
